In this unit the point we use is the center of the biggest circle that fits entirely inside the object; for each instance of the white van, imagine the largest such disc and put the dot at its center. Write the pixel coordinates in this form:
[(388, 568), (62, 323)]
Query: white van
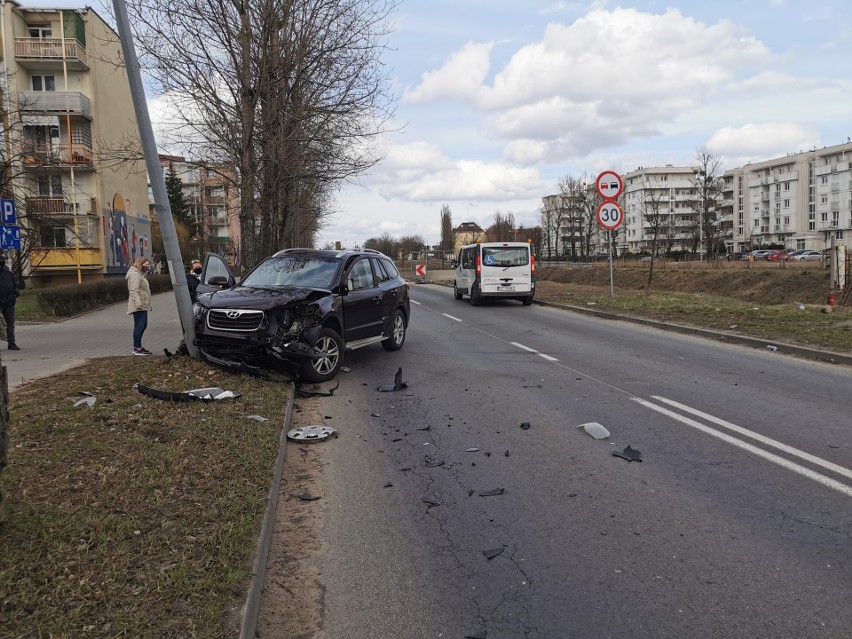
[(495, 270)]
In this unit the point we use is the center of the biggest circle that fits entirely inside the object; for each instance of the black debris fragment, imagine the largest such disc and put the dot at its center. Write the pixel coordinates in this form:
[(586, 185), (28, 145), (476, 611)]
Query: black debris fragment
[(304, 391), (388, 485), (525, 425), (425, 427), (506, 453), (398, 384), (491, 493), (431, 502), (374, 415), (405, 469), (630, 454), (308, 497), (167, 352), (398, 439), (470, 492), (493, 552), (203, 394), (482, 634)]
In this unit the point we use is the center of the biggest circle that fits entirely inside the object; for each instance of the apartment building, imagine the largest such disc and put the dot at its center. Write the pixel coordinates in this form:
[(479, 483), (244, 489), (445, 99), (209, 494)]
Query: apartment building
[(799, 201), (72, 160), (213, 202), (657, 201)]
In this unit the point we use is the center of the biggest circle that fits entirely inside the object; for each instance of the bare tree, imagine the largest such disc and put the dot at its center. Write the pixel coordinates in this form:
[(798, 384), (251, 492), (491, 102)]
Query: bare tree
[(447, 238), (573, 192), (385, 243), (653, 196), (591, 231), (292, 94), (503, 228), (708, 186), (552, 214)]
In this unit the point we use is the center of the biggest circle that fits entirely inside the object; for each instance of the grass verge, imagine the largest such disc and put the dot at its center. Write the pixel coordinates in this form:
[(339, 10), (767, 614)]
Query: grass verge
[(137, 517), (800, 324)]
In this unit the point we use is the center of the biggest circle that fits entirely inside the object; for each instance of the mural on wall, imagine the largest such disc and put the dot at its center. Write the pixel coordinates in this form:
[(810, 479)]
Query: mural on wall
[(126, 236)]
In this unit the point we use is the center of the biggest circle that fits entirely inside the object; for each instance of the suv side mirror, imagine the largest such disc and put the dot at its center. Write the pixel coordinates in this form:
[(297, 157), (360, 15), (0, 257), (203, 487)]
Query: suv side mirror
[(219, 280)]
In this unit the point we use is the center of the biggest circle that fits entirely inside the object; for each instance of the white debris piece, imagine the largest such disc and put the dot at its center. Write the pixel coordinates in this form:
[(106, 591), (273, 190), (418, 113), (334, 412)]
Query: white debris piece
[(595, 430)]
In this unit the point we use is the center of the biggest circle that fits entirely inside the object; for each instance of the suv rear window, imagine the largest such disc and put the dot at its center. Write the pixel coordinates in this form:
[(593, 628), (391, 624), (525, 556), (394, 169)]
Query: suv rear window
[(294, 271)]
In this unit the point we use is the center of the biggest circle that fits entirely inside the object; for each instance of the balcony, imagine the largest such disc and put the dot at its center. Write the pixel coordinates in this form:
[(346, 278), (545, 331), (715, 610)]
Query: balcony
[(56, 259), (49, 204), (59, 155), (72, 102), (41, 53)]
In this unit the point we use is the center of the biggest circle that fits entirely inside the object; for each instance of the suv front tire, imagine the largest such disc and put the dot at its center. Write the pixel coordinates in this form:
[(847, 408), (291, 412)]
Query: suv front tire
[(327, 366)]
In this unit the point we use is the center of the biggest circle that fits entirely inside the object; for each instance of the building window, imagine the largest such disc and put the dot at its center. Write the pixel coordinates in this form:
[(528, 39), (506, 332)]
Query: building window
[(53, 236), (786, 204), (39, 31), (43, 83), (787, 220), (823, 199), (823, 179), (835, 218), (786, 186), (756, 223), (823, 217), (50, 185), (811, 221)]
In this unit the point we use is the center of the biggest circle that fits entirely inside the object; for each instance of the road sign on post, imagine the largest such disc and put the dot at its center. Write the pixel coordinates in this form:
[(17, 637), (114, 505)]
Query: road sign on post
[(610, 215), (421, 270), (609, 185), (7, 212), (10, 237)]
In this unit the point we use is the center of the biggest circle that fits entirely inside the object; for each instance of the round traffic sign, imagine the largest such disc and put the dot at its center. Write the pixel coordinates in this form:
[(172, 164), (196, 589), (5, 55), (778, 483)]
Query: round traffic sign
[(610, 215), (609, 185)]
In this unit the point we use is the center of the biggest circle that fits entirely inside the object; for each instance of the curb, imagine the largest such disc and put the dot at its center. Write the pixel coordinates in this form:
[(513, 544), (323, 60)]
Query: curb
[(730, 338), (251, 608)]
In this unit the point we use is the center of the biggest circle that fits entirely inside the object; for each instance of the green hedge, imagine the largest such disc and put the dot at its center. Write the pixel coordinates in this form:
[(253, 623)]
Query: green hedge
[(65, 301)]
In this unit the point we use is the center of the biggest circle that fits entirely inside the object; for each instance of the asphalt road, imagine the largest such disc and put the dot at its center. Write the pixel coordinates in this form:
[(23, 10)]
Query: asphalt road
[(737, 522)]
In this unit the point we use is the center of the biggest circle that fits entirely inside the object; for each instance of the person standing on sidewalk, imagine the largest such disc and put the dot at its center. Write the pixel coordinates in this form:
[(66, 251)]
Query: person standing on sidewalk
[(140, 301), (8, 296)]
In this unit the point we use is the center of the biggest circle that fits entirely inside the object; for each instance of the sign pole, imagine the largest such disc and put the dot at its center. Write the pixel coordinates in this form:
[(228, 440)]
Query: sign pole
[(611, 279)]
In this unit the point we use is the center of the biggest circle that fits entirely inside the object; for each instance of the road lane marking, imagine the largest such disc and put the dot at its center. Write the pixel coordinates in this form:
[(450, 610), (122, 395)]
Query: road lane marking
[(817, 461), (415, 302), (526, 348), (775, 459), (548, 357), (455, 319)]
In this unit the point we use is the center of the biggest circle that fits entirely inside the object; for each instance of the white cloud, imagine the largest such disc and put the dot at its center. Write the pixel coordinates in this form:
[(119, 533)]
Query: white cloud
[(754, 142), (608, 78)]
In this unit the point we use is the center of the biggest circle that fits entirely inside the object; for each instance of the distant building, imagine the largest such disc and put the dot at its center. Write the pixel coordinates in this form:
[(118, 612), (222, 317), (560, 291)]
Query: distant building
[(798, 201), (467, 233), (80, 199), (213, 202)]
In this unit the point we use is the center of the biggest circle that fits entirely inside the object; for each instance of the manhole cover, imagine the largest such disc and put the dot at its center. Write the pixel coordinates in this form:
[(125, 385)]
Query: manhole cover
[(311, 433)]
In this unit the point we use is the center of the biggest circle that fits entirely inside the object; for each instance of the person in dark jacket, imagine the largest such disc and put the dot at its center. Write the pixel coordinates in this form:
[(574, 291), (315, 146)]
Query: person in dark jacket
[(8, 296), (193, 278)]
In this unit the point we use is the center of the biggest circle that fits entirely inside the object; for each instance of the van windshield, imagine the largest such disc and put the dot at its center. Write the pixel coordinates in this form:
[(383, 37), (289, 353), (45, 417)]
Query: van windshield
[(505, 256)]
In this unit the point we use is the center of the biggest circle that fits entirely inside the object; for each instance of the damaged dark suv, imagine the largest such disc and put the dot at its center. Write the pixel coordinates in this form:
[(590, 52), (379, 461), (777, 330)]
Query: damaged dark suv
[(301, 308)]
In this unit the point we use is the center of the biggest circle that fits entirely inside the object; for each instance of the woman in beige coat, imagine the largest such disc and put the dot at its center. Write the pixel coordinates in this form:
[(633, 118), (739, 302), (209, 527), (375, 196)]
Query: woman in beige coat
[(140, 301)]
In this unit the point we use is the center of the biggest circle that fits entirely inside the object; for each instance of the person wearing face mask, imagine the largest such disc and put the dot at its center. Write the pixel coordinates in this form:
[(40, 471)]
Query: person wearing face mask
[(193, 279), (140, 301)]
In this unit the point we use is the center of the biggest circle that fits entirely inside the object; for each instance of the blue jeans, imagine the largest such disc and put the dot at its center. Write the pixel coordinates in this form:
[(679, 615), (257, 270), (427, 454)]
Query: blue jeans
[(140, 323)]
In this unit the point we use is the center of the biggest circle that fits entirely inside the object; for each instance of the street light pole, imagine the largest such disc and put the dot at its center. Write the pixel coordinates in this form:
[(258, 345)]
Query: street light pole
[(158, 184)]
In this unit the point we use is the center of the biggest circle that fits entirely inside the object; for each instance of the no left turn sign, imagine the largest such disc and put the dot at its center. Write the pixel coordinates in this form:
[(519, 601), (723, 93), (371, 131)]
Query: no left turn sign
[(610, 215), (609, 185)]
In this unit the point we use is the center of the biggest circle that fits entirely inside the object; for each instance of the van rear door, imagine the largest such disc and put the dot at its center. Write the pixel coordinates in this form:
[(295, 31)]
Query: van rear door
[(506, 269)]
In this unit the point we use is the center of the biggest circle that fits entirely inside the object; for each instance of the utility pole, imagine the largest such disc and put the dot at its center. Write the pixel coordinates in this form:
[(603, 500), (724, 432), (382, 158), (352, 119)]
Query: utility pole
[(158, 184)]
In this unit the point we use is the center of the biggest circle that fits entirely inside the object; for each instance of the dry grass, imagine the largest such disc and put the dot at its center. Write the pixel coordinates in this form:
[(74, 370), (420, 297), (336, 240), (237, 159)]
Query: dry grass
[(136, 517)]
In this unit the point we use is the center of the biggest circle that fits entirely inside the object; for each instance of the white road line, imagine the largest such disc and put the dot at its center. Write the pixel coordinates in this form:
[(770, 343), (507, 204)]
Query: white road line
[(548, 357), (526, 348), (413, 302), (775, 459), (456, 319), (818, 461)]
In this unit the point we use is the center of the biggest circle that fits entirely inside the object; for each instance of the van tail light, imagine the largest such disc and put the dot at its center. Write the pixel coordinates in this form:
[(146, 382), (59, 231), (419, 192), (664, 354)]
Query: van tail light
[(532, 263), (478, 265)]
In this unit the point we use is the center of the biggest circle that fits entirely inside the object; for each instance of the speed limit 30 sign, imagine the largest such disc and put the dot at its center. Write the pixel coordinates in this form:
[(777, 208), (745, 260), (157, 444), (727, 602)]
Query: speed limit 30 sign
[(610, 215)]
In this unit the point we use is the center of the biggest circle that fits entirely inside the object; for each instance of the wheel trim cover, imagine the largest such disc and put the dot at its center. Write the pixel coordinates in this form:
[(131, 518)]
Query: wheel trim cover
[(398, 329)]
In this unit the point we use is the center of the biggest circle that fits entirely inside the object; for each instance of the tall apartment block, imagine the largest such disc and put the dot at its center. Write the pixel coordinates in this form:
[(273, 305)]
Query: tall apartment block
[(799, 201), (72, 154), (210, 193)]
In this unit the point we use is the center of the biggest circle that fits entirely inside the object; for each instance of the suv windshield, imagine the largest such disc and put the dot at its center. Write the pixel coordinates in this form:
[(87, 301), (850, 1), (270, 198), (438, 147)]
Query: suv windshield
[(499, 256), (295, 272)]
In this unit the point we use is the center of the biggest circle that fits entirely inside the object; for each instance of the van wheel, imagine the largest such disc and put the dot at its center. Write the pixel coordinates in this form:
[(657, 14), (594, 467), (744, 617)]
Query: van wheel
[(527, 300), (330, 347), (475, 299), (456, 292), (397, 332)]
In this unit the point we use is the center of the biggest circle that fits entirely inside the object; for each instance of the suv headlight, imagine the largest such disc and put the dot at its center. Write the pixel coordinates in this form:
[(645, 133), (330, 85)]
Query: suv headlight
[(198, 311)]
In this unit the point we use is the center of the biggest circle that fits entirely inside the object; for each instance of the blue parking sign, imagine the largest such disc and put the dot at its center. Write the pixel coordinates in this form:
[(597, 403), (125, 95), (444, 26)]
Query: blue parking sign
[(7, 212), (10, 237)]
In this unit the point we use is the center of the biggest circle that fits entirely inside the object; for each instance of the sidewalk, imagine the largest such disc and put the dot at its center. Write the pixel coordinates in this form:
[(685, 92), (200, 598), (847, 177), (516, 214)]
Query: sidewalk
[(47, 349)]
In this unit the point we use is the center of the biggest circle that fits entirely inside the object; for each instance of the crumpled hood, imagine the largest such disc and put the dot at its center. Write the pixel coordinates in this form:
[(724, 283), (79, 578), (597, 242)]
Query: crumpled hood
[(259, 298)]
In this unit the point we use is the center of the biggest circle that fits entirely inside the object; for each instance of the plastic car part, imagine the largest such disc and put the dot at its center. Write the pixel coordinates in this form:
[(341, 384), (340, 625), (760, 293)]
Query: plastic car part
[(398, 384), (184, 396), (311, 433), (493, 552), (492, 493), (630, 454), (301, 391), (595, 430)]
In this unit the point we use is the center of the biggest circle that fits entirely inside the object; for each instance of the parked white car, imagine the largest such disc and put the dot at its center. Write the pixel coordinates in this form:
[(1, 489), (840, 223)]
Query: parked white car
[(807, 256)]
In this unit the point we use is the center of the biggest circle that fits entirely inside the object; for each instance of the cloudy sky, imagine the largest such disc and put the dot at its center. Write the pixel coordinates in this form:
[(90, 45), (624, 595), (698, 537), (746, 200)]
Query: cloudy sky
[(498, 99)]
